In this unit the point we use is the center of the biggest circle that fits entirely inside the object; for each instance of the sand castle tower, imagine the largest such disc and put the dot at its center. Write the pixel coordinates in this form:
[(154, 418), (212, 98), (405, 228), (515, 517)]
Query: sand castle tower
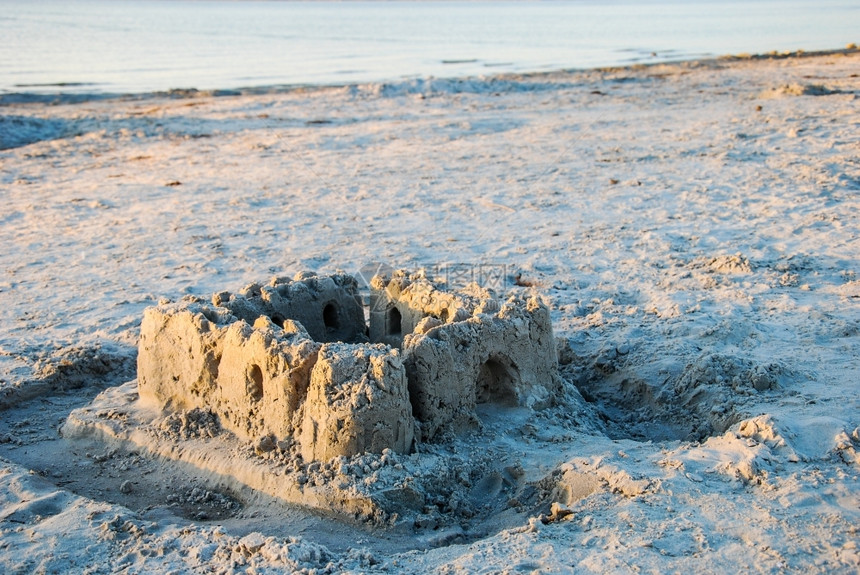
[(464, 348)]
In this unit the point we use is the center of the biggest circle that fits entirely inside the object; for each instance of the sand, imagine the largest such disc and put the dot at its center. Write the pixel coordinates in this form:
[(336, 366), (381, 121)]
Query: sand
[(693, 228)]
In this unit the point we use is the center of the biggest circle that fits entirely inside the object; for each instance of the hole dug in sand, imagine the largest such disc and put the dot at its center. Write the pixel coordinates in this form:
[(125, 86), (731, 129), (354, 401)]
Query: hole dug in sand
[(305, 402), (646, 400)]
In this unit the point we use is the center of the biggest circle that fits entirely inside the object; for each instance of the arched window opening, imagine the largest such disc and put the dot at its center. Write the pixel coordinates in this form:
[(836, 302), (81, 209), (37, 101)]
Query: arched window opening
[(331, 318), (393, 322), (255, 383)]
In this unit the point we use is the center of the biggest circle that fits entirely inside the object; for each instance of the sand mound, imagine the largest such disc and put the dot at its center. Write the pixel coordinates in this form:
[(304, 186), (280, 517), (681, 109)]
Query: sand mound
[(71, 368)]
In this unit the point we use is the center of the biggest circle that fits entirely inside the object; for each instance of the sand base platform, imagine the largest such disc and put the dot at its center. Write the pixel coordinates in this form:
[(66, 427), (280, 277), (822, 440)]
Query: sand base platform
[(449, 489), (192, 438)]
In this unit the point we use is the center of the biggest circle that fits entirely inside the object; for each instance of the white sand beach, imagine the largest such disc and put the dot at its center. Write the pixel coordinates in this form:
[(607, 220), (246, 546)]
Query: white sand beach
[(694, 228)]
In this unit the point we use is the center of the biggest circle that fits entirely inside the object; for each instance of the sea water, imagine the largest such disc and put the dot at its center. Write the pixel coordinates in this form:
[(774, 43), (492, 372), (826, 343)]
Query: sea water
[(133, 46)]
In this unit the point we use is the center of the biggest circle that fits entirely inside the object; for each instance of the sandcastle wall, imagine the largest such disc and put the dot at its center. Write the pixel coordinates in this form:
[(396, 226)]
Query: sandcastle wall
[(329, 307), (251, 359)]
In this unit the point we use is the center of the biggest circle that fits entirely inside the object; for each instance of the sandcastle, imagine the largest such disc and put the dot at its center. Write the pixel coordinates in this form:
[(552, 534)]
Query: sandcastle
[(295, 360)]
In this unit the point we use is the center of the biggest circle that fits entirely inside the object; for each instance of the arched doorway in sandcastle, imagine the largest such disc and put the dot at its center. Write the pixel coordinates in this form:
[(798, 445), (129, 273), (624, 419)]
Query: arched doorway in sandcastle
[(497, 381)]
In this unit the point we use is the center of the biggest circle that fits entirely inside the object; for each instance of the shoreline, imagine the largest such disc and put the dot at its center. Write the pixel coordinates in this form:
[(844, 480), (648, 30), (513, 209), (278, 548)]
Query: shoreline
[(15, 98)]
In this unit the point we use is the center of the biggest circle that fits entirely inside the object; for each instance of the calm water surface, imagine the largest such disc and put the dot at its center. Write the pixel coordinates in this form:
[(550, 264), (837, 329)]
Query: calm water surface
[(126, 46)]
